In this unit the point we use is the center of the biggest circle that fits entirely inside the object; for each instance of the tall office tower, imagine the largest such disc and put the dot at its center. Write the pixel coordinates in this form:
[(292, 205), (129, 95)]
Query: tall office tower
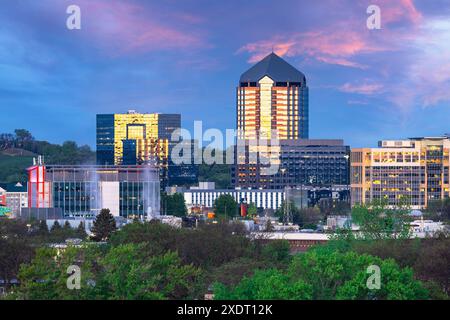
[(136, 138), (272, 95), (412, 172), (272, 103)]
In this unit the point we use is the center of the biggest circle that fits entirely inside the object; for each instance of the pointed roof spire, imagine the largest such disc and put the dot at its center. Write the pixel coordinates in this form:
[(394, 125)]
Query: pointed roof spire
[(274, 67)]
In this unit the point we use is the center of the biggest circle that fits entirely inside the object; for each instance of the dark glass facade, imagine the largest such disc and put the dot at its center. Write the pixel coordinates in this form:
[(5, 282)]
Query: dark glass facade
[(129, 152), (301, 163), (186, 173), (167, 124), (105, 139)]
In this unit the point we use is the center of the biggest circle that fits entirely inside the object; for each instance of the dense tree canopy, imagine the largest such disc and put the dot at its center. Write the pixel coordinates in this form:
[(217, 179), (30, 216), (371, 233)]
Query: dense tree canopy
[(377, 221), (151, 260), (325, 274), (226, 206), (173, 204)]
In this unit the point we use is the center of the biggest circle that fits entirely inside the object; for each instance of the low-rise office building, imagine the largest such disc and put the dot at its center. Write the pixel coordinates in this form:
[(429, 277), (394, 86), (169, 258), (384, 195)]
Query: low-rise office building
[(266, 199), (205, 195), (409, 172), (127, 191)]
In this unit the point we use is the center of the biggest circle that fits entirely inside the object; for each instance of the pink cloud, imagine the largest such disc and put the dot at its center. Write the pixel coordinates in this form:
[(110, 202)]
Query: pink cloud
[(341, 42), (421, 45), (332, 47), (401, 10)]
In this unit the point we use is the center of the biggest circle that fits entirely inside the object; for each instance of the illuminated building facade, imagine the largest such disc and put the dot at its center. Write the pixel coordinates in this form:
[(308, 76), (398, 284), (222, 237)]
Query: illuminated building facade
[(272, 104), (136, 138), (39, 189), (412, 172), (272, 95)]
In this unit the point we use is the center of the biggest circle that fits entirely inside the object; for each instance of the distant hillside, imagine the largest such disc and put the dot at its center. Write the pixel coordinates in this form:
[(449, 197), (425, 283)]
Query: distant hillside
[(12, 168), (18, 149), (15, 152)]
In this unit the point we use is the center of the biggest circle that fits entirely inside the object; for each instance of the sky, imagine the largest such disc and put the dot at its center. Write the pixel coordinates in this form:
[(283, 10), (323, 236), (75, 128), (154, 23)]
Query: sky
[(187, 56)]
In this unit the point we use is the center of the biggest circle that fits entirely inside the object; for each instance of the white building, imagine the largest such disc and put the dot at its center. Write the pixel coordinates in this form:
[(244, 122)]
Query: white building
[(266, 199)]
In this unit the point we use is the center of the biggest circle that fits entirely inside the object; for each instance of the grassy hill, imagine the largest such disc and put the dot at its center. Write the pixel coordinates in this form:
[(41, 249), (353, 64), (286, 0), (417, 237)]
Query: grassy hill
[(16, 152), (12, 168), (18, 149)]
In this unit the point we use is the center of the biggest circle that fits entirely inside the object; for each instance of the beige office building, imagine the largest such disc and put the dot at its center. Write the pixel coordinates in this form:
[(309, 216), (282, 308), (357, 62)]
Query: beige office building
[(272, 96), (415, 171)]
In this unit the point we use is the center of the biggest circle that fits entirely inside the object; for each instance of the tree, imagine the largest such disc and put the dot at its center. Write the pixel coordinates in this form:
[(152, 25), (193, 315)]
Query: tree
[(428, 257), (55, 227), (218, 173), (208, 246), (333, 274), (269, 284), (378, 221), (81, 230), (22, 136), (293, 211), (67, 227), (104, 225), (225, 206), (323, 273), (157, 237), (17, 247), (43, 228), (45, 277), (174, 204), (277, 251), (252, 210), (131, 274), (231, 273)]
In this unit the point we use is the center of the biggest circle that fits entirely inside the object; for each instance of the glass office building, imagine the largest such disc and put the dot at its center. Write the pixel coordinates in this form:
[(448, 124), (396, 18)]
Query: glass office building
[(305, 162), (273, 126), (404, 172), (127, 191), (272, 95), (136, 138)]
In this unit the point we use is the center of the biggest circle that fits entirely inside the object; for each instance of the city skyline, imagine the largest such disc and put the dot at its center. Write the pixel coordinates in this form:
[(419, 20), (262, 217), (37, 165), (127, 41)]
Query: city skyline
[(364, 85)]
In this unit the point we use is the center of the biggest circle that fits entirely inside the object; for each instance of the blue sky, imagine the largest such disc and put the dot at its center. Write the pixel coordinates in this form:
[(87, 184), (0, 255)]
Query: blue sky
[(186, 57)]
